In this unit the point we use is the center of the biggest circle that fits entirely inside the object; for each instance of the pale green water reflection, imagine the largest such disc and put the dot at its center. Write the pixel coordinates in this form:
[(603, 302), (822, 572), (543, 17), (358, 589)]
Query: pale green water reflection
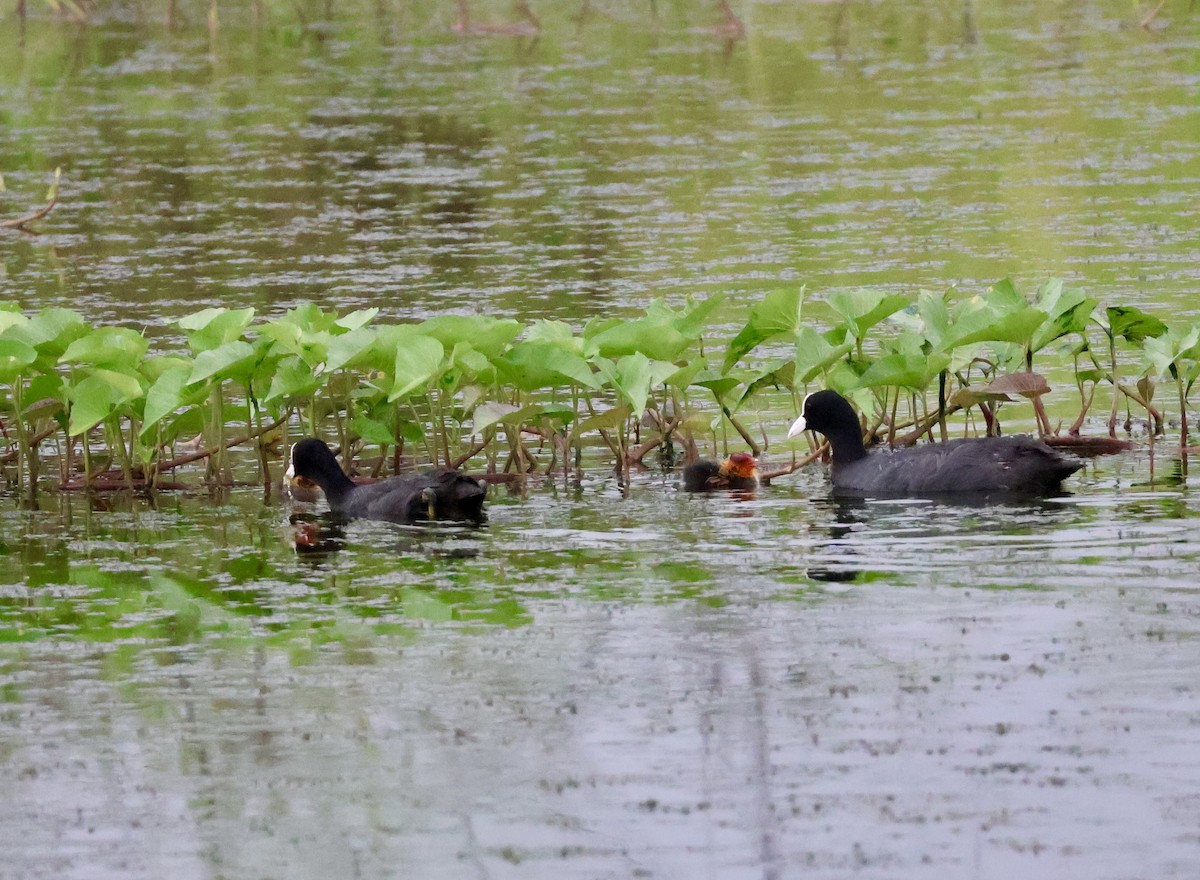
[(594, 686), (392, 163), (590, 685)]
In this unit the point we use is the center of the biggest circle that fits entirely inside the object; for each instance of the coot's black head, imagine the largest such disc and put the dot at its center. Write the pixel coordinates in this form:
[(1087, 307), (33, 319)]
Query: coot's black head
[(824, 411), (313, 460), (828, 413)]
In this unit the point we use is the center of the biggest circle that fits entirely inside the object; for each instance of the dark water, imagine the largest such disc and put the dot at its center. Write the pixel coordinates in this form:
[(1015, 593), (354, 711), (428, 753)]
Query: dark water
[(594, 685)]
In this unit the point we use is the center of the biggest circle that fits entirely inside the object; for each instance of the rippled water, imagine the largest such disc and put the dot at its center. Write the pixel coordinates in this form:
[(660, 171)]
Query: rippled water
[(601, 684), (597, 686), (393, 163)]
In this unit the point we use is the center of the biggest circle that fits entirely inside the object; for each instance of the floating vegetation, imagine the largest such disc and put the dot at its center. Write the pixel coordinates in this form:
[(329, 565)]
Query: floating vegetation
[(521, 398)]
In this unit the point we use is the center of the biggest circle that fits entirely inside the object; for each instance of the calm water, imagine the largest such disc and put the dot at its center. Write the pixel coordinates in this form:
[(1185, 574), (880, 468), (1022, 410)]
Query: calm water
[(387, 161), (593, 685)]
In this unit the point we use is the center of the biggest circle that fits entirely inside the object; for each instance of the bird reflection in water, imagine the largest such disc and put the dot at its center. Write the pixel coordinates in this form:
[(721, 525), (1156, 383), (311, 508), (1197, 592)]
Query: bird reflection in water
[(317, 537), (848, 513)]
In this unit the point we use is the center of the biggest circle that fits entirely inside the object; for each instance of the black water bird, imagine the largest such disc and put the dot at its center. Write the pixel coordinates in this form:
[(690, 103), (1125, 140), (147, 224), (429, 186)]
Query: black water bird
[(440, 494), (984, 466), (738, 471)]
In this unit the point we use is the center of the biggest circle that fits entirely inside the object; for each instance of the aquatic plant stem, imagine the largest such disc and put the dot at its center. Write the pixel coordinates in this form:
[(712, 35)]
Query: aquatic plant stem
[(116, 441), (441, 423), (23, 458), (256, 411), (207, 453), (740, 428), (87, 458), (220, 456), (1183, 420), (1116, 398), (942, 406), (429, 450), (1152, 412)]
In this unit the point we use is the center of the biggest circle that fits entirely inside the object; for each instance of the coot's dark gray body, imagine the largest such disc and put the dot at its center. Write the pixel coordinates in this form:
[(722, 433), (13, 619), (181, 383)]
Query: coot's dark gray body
[(441, 494), (1000, 465), (984, 466)]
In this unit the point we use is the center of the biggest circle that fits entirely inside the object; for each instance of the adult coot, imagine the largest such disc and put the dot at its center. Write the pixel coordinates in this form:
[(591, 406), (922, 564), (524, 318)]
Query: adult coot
[(738, 471), (441, 494), (984, 466)]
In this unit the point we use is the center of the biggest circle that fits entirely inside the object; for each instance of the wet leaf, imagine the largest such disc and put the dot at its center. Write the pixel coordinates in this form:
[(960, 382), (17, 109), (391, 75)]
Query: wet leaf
[(350, 349), (1025, 384), (210, 328), (51, 331), (560, 334), (684, 376), (15, 357), (536, 365), (42, 408), (863, 309), (693, 323), (418, 361), (1069, 311), (372, 430), (164, 397), (720, 385), (228, 360), (357, 319), (777, 374), (655, 339), (107, 347), (632, 377), (98, 396), (815, 354), (979, 322), (777, 315), (904, 370), (488, 414), (610, 418), (1168, 352), (471, 359), (970, 396), (293, 380), (1133, 324), (486, 335), (11, 317)]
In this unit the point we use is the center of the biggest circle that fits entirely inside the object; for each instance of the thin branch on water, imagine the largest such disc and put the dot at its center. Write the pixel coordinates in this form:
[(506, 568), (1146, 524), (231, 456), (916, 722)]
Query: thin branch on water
[(14, 454), (797, 464), (1152, 14), (460, 460), (639, 452), (19, 222), (220, 447)]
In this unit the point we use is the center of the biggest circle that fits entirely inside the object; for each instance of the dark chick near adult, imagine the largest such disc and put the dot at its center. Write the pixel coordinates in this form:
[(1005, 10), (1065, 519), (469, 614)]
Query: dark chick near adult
[(738, 471), (983, 466), (440, 494)]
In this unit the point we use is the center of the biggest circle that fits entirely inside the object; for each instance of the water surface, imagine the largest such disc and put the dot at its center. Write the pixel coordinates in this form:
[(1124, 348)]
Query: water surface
[(601, 683), (384, 160)]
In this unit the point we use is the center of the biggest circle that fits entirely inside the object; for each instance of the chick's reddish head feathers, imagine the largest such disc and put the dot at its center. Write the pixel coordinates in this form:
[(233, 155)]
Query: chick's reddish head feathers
[(740, 465)]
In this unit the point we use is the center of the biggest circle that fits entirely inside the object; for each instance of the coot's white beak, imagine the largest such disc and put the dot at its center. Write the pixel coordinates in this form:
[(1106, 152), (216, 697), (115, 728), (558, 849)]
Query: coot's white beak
[(798, 427), (290, 473)]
